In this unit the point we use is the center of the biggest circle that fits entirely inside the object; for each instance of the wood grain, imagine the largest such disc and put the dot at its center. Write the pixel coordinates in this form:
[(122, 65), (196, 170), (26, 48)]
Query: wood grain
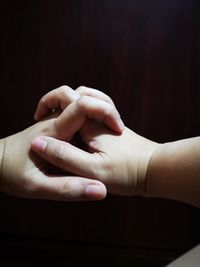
[(146, 56)]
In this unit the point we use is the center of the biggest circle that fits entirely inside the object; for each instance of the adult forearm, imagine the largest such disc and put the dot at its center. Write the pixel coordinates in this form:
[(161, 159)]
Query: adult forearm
[(174, 171)]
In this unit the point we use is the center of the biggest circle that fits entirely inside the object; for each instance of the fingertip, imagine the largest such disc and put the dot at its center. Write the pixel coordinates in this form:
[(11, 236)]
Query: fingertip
[(39, 144), (117, 125), (121, 126), (96, 191), (39, 114), (36, 117)]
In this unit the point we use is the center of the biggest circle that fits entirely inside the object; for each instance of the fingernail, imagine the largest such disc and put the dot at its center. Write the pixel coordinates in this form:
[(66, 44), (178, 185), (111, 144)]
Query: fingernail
[(94, 190), (39, 143)]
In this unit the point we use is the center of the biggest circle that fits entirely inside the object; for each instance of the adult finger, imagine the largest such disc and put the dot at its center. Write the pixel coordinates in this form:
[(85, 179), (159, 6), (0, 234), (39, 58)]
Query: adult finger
[(57, 98), (69, 188), (63, 96), (87, 91), (67, 157), (74, 116)]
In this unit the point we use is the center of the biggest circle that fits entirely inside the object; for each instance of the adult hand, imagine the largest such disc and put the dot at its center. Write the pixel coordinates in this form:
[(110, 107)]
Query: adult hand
[(119, 161), (129, 164), (26, 175)]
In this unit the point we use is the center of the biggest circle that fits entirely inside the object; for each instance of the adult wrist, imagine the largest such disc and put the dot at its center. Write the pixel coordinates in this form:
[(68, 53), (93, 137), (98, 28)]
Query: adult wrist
[(174, 171), (145, 169), (158, 174)]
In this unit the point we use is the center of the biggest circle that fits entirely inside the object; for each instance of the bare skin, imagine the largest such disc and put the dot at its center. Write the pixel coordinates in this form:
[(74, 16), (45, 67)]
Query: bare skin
[(24, 174), (127, 164)]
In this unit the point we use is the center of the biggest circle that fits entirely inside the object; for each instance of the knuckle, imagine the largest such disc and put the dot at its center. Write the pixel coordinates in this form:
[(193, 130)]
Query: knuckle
[(65, 191), (59, 153), (109, 99), (56, 152), (67, 95), (108, 110), (105, 167), (63, 89), (82, 89), (82, 102), (96, 169), (32, 189), (43, 99)]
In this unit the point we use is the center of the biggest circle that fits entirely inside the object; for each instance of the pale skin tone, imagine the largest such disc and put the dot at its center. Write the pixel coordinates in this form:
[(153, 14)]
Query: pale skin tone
[(127, 164), (24, 174)]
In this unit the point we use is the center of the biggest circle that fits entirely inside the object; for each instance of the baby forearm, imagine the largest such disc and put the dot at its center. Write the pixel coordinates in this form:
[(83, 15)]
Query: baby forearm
[(174, 171)]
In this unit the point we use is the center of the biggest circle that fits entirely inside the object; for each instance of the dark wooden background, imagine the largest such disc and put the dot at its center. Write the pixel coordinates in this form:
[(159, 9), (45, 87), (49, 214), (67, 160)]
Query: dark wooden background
[(146, 56)]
